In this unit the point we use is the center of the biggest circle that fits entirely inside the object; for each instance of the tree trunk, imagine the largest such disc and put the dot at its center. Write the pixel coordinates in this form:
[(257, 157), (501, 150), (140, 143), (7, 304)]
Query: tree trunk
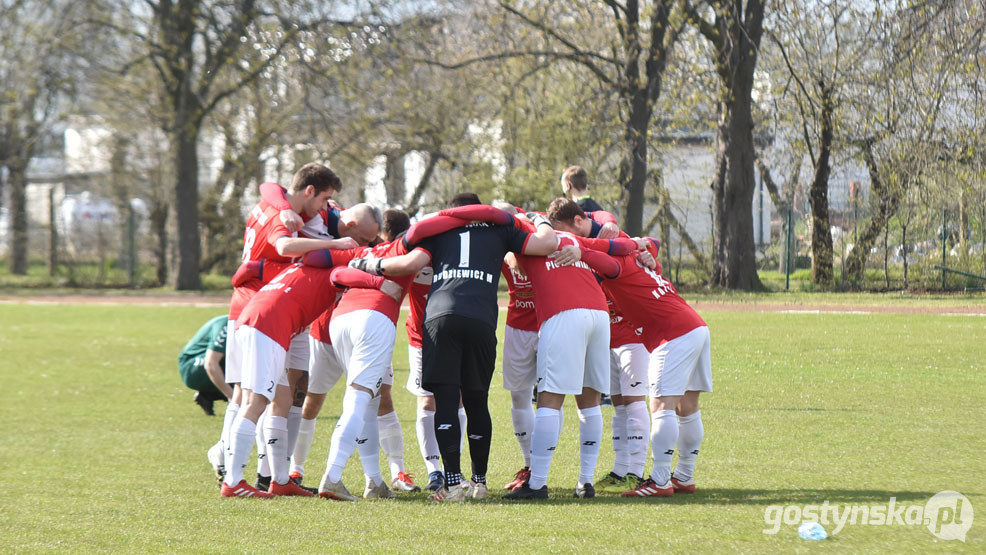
[(821, 233), (52, 234), (735, 263), (184, 142), (394, 181), (737, 40), (636, 162), (887, 200), (17, 173)]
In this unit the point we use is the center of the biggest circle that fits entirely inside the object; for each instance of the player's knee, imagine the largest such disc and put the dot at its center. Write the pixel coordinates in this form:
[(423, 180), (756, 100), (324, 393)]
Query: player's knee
[(688, 404), (386, 401), (312, 406), (426, 402)]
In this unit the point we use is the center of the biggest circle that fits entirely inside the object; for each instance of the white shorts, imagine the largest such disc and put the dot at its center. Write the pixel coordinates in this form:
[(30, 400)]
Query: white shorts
[(298, 352), (573, 352), (682, 364), (234, 359), (263, 362), (364, 343), (414, 376), (324, 367), (520, 359), (628, 370)]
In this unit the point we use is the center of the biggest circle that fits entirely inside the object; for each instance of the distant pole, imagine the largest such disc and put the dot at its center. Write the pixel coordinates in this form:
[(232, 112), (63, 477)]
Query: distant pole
[(787, 265), (944, 243), (760, 230), (52, 234), (131, 247)]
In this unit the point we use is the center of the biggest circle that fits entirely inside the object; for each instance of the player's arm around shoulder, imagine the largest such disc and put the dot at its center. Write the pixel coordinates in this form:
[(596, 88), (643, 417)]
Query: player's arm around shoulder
[(544, 241)]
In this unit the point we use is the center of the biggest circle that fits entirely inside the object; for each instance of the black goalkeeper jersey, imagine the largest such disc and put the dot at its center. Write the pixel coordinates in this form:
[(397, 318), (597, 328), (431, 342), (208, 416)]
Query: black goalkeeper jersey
[(467, 262)]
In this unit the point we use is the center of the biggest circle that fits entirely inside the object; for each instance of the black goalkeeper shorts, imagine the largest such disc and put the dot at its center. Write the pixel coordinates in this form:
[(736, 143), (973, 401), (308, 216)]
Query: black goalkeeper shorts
[(456, 350)]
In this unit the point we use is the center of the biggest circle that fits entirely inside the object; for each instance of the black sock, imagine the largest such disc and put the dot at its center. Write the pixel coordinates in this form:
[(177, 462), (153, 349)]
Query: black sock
[(447, 430), (453, 479), (479, 478), (479, 428)]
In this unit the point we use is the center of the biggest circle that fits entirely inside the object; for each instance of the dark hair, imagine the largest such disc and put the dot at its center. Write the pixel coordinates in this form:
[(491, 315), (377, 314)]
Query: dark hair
[(564, 210), (395, 222), (464, 199), (316, 175), (576, 178)]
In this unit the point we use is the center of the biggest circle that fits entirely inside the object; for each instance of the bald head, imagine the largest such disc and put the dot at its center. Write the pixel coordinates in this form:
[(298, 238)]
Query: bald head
[(362, 222)]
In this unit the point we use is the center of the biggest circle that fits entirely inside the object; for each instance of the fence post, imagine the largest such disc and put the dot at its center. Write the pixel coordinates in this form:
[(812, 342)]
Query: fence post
[(944, 244), (787, 265), (52, 234), (131, 247)]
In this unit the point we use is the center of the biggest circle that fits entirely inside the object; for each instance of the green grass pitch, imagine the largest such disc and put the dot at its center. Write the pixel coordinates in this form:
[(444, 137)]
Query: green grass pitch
[(103, 449)]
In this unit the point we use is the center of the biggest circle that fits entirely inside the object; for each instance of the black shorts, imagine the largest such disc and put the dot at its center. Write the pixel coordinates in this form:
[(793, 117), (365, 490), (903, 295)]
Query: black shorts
[(457, 350)]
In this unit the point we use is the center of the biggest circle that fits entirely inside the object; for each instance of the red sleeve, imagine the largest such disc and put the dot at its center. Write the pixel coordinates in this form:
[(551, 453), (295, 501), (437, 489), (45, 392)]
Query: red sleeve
[(615, 247), (274, 195), (430, 227), (525, 225), (602, 217), (344, 276), (326, 258), (602, 263), (480, 213)]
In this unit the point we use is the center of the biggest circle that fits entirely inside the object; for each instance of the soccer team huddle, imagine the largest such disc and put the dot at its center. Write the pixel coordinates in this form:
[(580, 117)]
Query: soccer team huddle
[(319, 296)]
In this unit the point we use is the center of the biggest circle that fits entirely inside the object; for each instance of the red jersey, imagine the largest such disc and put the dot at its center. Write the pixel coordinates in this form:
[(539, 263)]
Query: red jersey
[(373, 299), (263, 229), (291, 301), (320, 326), (559, 288), (418, 299), (621, 331), (521, 314), (650, 301)]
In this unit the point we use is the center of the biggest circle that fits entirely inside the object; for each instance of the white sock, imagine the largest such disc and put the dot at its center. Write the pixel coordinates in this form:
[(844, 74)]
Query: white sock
[(590, 436), (544, 439), (425, 426), (241, 434), (348, 427), (690, 433), (276, 431), (392, 442), (621, 453), (294, 423), (368, 442), (522, 416), (638, 436), (231, 410), (663, 436), (462, 427), (263, 465), (306, 434)]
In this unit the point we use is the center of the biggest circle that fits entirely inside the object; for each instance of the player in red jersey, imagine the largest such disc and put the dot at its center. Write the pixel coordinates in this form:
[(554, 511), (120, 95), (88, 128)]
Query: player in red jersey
[(267, 235), (280, 310), (324, 371), (628, 375), (360, 223), (680, 362), (572, 359), (363, 329)]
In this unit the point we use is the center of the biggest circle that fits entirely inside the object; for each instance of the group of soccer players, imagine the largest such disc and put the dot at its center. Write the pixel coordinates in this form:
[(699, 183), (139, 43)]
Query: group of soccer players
[(319, 295)]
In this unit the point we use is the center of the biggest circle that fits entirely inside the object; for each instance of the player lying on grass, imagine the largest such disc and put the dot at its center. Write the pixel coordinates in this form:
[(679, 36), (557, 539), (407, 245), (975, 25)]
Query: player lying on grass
[(680, 360)]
